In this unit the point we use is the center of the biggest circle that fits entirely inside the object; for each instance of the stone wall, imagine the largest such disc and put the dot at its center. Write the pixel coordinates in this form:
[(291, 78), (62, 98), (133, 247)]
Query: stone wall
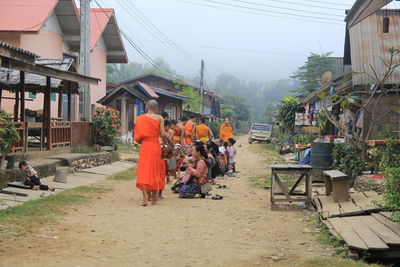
[(91, 161)]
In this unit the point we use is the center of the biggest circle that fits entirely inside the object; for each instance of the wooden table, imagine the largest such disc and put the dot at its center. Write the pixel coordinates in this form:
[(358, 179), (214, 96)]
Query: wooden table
[(303, 171)]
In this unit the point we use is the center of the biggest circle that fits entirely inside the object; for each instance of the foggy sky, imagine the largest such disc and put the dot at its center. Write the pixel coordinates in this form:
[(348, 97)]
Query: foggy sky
[(278, 45)]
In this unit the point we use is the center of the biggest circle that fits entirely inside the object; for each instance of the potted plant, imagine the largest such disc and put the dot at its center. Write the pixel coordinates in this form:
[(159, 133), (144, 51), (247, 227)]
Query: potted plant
[(8, 135), (106, 125)]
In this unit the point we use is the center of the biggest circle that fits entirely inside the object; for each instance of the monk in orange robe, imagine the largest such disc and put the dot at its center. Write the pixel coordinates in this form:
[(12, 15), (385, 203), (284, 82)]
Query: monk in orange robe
[(202, 132), (189, 130), (226, 131), (179, 131), (148, 129)]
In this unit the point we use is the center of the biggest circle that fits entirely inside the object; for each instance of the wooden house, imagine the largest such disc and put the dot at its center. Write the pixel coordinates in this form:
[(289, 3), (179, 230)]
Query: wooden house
[(23, 73), (367, 54), (51, 30), (130, 98)]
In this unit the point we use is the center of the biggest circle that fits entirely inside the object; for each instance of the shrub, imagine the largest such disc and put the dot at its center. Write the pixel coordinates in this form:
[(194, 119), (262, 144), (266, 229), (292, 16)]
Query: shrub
[(391, 155), (346, 159), (8, 133), (391, 198), (106, 124), (303, 138)]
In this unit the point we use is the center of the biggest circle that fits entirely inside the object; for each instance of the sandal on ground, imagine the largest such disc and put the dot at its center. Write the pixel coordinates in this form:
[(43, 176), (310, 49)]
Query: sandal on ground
[(217, 197)]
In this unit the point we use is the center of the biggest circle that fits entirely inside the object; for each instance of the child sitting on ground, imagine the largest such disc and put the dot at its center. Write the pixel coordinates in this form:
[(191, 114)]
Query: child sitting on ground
[(32, 179)]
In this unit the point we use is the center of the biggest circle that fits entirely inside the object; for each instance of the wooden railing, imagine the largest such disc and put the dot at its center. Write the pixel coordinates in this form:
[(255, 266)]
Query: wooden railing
[(19, 146), (60, 134)]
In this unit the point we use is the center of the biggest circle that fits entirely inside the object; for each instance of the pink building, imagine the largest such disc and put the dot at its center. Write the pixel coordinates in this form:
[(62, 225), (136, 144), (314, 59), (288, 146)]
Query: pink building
[(51, 29)]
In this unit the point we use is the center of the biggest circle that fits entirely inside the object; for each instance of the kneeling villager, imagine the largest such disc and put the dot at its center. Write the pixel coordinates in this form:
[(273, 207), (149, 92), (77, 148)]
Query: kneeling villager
[(197, 168)]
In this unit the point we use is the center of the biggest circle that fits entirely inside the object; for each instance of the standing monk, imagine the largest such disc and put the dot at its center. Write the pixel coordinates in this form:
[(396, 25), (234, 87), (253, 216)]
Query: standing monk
[(179, 131), (202, 132), (189, 130), (225, 131), (148, 129)]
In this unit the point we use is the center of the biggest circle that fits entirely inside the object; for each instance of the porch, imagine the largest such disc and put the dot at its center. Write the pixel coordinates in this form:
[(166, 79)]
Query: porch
[(21, 72)]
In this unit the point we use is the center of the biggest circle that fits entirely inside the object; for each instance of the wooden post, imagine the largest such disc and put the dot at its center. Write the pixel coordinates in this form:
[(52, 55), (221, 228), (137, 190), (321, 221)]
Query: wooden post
[(69, 102), (22, 90), (47, 121), (124, 126), (16, 105), (1, 96), (60, 102)]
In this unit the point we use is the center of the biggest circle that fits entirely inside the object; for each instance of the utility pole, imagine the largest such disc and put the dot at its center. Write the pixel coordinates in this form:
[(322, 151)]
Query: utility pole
[(201, 87), (84, 62)]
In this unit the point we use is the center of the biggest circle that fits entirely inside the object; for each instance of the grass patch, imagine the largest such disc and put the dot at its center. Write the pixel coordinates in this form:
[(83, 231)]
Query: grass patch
[(260, 181), (326, 238), (25, 218), (268, 152), (270, 156), (127, 148), (336, 262), (127, 175)]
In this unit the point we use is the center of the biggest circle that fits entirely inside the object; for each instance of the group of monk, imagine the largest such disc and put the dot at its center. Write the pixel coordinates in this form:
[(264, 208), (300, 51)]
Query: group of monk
[(150, 133)]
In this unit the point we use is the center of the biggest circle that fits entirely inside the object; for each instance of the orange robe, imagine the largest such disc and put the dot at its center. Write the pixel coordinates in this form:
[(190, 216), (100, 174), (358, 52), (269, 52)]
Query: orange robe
[(149, 169), (187, 140), (176, 139), (202, 132), (225, 132)]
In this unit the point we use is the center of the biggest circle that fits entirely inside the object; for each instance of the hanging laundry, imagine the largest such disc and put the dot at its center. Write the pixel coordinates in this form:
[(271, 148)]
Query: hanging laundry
[(360, 121)]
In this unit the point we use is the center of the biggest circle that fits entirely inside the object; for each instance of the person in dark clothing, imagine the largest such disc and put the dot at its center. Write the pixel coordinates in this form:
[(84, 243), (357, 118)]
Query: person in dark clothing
[(32, 179)]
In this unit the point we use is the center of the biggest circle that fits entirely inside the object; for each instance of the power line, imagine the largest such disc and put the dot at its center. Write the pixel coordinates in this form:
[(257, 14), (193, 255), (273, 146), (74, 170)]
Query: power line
[(159, 31), (136, 47), (152, 29), (255, 13), (324, 2), (303, 5), (268, 11), (230, 49), (286, 8)]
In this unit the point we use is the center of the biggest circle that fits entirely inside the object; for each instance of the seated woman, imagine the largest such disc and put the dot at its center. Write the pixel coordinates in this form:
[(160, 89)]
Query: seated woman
[(213, 154), (198, 169)]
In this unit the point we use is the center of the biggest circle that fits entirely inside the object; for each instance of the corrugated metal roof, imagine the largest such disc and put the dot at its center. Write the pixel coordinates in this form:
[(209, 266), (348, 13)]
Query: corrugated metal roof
[(147, 89), (369, 47), (23, 15), (10, 77), (171, 94), (19, 50)]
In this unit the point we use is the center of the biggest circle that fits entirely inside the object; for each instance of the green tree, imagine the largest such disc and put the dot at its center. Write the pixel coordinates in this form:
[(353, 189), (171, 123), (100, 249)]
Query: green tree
[(186, 90), (235, 108), (310, 73), (270, 109), (286, 112)]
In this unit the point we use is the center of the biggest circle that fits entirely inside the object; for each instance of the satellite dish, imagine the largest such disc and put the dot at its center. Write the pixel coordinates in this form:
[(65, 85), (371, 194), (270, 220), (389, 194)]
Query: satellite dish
[(326, 77)]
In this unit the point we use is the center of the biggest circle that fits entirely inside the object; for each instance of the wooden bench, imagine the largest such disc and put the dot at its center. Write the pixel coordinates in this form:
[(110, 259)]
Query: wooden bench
[(336, 182), (303, 171)]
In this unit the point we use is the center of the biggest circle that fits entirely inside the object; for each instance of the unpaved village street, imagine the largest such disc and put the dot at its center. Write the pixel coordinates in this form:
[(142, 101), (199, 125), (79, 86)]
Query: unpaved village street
[(113, 230)]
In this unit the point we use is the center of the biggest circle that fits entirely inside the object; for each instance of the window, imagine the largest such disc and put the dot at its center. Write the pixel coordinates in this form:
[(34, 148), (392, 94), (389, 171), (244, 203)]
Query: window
[(386, 22), (32, 95), (260, 127), (53, 96)]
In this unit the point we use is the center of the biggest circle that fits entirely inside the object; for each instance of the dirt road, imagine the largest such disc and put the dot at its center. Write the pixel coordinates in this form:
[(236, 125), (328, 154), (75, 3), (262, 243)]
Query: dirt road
[(239, 230)]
